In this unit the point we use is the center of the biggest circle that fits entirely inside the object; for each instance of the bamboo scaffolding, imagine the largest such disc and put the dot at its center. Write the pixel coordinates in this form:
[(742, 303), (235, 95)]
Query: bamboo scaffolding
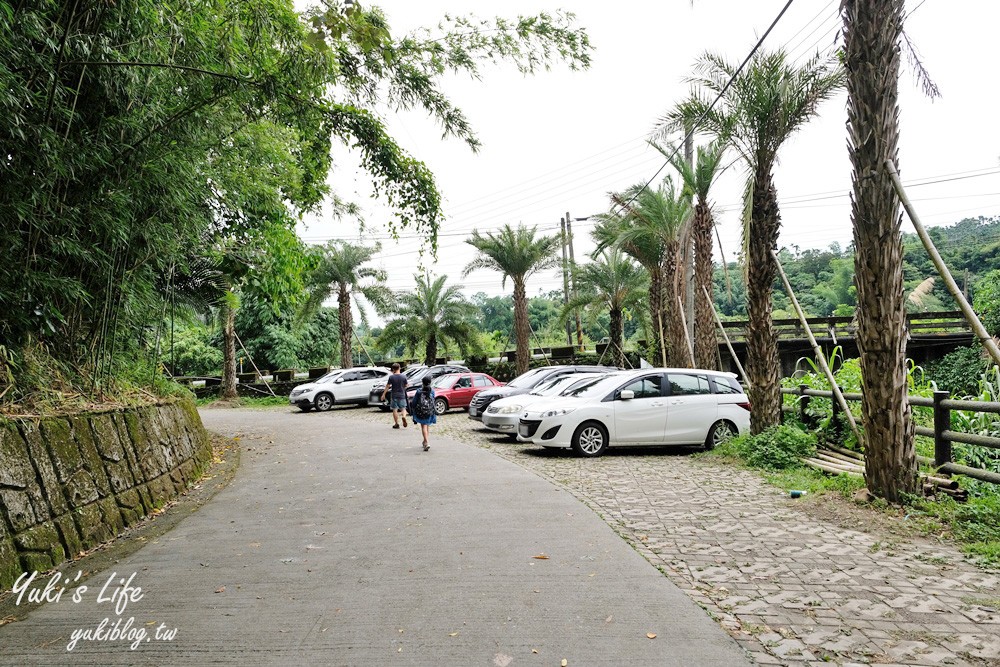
[(970, 315), (729, 344), (820, 357)]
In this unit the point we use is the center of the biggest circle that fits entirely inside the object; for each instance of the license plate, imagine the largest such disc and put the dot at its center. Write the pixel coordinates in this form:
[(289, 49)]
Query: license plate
[(473, 412), (523, 429)]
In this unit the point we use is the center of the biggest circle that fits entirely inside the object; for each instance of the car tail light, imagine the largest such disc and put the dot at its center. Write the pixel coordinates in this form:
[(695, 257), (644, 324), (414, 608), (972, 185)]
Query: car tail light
[(745, 406)]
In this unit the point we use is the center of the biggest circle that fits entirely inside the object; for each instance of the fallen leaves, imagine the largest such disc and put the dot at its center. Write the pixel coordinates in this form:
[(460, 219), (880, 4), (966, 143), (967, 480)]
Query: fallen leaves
[(651, 635), (541, 557), (220, 589)]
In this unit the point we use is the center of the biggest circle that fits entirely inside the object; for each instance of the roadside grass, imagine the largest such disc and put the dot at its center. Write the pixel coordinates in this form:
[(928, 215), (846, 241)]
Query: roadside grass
[(973, 525), (245, 402)]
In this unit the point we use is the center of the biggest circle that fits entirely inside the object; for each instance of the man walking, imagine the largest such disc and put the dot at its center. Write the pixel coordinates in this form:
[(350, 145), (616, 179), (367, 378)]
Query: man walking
[(396, 388)]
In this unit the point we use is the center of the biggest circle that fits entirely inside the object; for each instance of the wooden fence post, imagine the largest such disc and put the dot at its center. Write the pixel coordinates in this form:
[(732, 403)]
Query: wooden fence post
[(804, 405), (942, 423)]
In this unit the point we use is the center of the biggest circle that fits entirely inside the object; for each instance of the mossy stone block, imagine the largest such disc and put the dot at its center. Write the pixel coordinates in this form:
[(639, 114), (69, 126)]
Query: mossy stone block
[(58, 438), (36, 561), (90, 523), (91, 458), (16, 471), (10, 564), (16, 505), (53, 491), (81, 490), (107, 439), (37, 538), (69, 534)]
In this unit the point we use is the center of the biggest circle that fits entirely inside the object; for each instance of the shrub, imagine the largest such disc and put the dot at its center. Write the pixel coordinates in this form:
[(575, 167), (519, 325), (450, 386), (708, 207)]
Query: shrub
[(959, 371), (777, 448)]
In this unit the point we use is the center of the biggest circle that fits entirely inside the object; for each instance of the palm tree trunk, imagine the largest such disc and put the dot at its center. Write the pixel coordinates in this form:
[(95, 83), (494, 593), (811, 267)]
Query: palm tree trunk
[(522, 328), (678, 354), (346, 326), (431, 350), (656, 315), (616, 334), (872, 30), (705, 346), (763, 364), (228, 350)]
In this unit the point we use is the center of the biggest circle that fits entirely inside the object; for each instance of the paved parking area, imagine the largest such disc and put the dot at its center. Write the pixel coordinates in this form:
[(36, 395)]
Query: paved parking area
[(791, 587)]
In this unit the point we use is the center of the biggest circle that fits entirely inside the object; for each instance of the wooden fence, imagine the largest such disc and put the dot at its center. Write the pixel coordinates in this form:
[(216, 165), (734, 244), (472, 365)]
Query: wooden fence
[(943, 436), (834, 328)]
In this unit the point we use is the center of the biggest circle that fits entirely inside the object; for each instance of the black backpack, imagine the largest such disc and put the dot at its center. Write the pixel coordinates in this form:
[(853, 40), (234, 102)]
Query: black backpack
[(423, 406)]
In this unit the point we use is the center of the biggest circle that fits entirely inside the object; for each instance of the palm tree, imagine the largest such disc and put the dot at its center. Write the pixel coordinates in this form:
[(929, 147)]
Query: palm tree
[(763, 107), (649, 228), (872, 31), (516, 254), (614, 284), (698, 179), (431, 315), (340, 268)]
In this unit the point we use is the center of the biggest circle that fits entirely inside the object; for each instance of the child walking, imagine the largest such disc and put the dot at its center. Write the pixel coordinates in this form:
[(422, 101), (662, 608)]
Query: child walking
[(422, 410)]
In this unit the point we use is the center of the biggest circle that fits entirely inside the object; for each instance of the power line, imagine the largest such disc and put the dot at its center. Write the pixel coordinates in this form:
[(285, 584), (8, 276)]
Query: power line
[(694, 126)]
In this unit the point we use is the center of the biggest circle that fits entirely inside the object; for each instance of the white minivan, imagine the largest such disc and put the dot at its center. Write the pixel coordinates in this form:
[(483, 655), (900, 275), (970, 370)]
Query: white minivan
[(651, 406)]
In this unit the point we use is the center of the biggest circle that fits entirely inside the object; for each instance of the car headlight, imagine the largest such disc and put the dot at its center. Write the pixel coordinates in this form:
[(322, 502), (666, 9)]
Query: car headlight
[(509, 409), (557, 412)]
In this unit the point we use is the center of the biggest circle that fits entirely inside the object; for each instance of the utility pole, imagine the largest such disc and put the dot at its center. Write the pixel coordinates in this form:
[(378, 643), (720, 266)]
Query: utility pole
[(565, 272), (572, 276), (689, 265)]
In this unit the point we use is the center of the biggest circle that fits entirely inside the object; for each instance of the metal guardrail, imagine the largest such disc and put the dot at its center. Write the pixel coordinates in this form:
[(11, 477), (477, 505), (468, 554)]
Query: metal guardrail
[(943, 436)]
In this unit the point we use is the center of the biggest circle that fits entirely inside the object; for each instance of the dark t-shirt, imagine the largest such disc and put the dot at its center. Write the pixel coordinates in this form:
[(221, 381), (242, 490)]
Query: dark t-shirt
[(397, 385)]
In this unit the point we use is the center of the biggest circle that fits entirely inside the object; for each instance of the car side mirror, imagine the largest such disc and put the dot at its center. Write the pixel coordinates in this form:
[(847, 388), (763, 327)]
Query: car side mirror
[(626, 395), (338, 380)]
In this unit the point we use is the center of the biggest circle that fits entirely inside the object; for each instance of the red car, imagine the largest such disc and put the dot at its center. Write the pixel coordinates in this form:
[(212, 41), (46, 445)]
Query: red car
[(457, 389)]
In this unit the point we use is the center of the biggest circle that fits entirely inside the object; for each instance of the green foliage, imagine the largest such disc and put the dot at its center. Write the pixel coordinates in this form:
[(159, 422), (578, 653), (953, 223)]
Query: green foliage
[(431, 316), (987, 301), (776, 448), (193, 352), (959, 371)]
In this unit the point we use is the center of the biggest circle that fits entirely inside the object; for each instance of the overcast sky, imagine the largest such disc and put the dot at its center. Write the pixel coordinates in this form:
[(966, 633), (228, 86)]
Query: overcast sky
[(559, 141)]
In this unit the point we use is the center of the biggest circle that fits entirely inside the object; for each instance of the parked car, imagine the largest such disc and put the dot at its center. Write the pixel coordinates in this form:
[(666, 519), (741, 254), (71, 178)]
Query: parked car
[(524, 383), (344, 385), (503, 414), (414, 378), (652, 406), (456, 390)]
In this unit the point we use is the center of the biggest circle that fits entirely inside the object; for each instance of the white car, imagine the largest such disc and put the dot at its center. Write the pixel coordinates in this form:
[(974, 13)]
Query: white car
[(503, 414), (652, 406), (344, 385)]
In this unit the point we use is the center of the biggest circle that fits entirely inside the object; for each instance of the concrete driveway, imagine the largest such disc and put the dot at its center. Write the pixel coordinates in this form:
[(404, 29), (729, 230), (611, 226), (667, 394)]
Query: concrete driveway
[(340, 542)]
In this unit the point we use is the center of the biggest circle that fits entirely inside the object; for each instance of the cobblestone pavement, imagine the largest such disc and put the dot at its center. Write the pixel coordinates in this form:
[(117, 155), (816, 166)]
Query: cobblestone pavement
[(792, 588)]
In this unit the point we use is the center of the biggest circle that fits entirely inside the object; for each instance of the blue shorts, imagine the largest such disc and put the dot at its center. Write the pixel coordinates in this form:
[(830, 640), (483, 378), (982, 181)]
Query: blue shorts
[(397, 403)]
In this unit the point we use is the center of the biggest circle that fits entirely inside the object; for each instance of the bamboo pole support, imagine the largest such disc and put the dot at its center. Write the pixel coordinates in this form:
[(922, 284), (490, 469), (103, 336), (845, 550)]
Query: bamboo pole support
[(830, 469), (846, 452), (835, 463), (729, 344), (970, 315), (816, 348), (687, 336)]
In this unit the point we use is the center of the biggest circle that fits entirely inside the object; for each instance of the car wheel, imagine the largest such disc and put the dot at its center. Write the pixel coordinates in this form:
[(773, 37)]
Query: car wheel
[(718, 434), (305, 408), (440, 406), (324, 402), (590, 439)]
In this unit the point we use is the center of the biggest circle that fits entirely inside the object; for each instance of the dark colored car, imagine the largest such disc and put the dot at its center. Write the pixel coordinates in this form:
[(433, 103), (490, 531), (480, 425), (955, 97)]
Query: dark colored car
[(524, 383), (414, 378)]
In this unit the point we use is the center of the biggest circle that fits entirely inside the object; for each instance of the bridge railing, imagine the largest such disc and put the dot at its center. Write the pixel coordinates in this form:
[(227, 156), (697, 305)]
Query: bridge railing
[(942, 405), (834, 328)]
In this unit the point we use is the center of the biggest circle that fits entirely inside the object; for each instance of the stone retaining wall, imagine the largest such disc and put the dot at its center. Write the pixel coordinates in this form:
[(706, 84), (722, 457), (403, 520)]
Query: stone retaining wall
[(70, 483)]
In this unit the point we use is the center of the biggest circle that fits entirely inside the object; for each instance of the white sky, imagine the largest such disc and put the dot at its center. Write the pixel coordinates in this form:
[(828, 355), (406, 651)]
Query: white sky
[(560, 141)]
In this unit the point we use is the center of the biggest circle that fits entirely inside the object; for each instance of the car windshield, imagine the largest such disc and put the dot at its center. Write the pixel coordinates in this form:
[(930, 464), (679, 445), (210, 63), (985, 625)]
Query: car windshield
[(568, 389), (412, 371), (585, 387), (329, 377), (445, 381), (527, 380), (554, 386)]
